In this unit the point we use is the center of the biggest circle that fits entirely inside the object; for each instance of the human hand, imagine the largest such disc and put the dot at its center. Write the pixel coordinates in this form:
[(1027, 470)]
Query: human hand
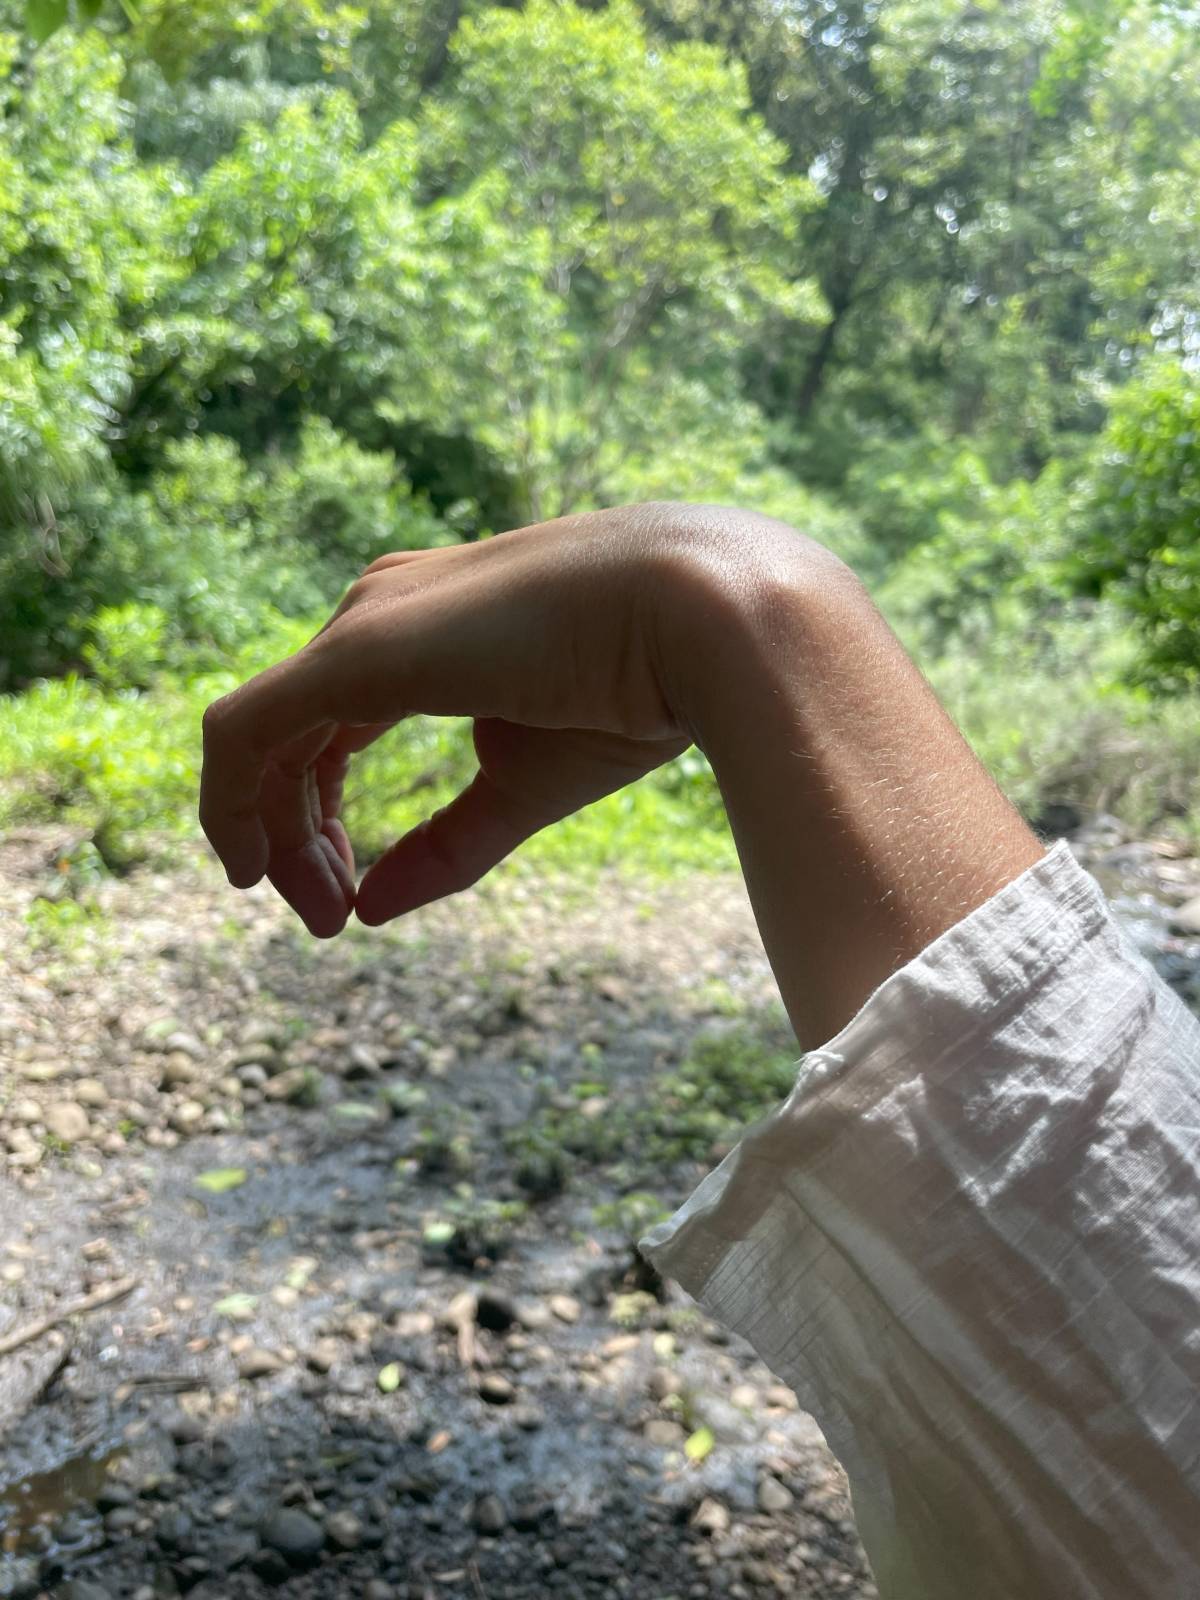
[(548, 637)]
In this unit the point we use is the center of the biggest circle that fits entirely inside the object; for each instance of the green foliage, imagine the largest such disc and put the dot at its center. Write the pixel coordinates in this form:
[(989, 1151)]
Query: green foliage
[(610, 222), (126, 645), (632, 1215), (1138, 519), (285, 284), (1049, 709)]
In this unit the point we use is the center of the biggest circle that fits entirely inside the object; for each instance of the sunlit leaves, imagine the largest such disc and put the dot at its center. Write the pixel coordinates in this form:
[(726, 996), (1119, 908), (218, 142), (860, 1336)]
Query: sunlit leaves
[(1138, 516), (612, 215)]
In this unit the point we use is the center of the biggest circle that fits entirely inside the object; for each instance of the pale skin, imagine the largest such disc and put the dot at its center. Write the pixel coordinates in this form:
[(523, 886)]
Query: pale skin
[(588, 651)]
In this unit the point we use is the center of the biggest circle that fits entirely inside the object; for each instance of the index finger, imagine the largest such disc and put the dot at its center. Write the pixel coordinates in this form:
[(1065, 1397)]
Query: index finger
[(241, 730)]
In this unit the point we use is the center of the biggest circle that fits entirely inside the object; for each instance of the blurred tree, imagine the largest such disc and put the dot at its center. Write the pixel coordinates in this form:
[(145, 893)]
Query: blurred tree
[(969, 227), (1137, 518), (610, 224)]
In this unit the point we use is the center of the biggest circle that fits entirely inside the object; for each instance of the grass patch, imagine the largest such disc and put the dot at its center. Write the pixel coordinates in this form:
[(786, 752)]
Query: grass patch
[(730, 1077)]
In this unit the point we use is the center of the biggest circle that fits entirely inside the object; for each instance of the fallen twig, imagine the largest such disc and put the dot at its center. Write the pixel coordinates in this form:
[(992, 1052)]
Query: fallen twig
[(103, 1296)]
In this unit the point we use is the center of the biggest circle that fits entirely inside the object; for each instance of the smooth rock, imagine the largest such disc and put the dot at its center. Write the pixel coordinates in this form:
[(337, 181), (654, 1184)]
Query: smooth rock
[(533, 1315), (186, 1043), (711, 1517), (343, 1530), (663, 1433), (488, 1515), (322, 1355), (292, 1534), (664, 1382), (1185, 919), (114, 1496), (299, 1086), (361, 1062), (187, 1116), (67, 1121), (773, 1497), (259, 1363), (177, 1069), (173, 1530), (42, 1071), (496, 1389)]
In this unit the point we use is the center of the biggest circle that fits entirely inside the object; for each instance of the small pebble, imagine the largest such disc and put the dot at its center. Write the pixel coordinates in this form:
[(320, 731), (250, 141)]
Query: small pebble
[(773, 1497), (343, 1530), (496, 1389), (488, 1515)]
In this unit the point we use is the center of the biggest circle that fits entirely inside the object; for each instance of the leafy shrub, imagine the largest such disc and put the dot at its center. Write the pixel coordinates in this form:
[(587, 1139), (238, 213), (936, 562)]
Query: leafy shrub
[(1051, 713), (126, 645), (1137, 520), (213, 544)]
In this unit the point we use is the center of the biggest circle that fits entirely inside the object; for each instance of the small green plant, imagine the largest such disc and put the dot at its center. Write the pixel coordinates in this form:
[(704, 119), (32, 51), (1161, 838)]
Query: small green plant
[(442, 1146), (65, 925), (729, 1078), (632, 1215), (472, 1228), (540, 1165)]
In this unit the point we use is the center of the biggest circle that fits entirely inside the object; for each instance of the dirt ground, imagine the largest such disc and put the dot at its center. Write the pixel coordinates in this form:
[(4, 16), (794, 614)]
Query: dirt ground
[(353, 1227)]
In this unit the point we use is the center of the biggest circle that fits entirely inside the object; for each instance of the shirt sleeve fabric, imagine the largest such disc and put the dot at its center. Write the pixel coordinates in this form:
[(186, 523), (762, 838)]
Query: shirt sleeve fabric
[(970, 1242)]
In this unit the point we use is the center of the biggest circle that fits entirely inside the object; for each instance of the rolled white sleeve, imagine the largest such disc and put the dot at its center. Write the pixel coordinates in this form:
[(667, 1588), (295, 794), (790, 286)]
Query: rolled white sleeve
[(970, 1241)]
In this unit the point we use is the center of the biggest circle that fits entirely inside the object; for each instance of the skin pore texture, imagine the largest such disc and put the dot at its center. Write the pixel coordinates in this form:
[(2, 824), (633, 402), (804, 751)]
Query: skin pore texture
[(588, 651)]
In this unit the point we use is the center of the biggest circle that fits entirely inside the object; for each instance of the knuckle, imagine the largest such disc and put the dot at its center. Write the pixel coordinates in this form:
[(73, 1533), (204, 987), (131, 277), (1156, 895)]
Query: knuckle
[(215, 719), (356, 593), (380, 564)]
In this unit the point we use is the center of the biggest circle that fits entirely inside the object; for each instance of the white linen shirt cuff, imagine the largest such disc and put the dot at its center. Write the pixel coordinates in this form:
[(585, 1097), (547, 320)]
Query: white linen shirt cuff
[(969, 1240)]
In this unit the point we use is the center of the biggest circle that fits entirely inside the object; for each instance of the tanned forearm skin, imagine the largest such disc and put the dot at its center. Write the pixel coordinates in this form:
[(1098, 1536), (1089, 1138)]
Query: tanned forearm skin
[(590, 650), (864, 823)]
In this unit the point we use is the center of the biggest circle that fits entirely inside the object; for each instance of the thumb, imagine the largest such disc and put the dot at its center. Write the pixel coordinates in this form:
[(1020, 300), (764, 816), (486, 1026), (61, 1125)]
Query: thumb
[(449, 851)]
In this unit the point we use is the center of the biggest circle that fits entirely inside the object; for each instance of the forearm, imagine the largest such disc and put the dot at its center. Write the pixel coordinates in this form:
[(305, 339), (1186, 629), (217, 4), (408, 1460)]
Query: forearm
[(864, 823)]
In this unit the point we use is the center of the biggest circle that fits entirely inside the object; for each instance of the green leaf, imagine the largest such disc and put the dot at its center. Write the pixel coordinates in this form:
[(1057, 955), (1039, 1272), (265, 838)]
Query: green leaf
[(218, 1180), (355, 1111), (390, 1377), (44, 17), (89, 9), (238, 1306), (699, 1444)]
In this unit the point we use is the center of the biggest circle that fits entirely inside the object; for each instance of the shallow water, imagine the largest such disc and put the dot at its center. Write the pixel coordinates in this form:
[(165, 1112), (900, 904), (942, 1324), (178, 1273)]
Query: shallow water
[(41, 1501)]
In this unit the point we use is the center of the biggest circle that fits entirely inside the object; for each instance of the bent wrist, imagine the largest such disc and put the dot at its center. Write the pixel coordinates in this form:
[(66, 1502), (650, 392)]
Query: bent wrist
[(741, 599)]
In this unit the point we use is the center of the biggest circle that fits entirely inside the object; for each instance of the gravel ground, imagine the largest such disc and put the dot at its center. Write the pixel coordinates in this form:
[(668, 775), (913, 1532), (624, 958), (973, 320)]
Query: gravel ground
[(351, 1328)]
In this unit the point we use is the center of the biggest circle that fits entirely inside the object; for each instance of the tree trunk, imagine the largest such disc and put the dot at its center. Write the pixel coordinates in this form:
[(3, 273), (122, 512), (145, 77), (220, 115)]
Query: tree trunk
[(814, 374)]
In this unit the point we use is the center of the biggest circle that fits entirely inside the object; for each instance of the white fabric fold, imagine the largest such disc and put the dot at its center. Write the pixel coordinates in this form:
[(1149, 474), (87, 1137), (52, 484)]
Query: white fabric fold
[(970, 1241)]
